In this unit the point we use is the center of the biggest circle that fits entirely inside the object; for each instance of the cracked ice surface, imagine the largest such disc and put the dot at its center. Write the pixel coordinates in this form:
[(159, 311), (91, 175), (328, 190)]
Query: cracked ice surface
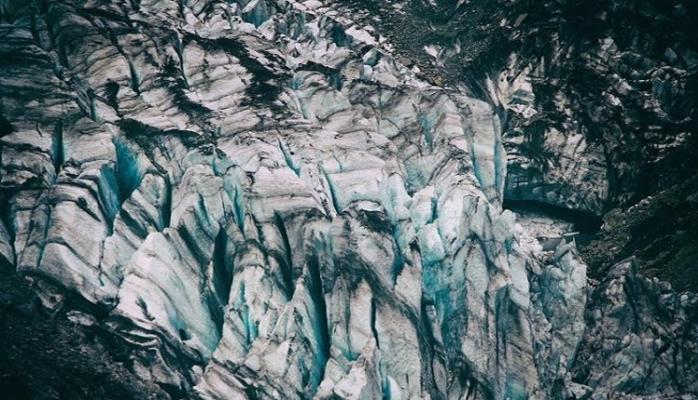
[(269, 205)]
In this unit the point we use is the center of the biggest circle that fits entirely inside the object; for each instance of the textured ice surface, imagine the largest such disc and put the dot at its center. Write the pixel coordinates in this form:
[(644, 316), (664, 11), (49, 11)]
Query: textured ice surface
[(269, 205)]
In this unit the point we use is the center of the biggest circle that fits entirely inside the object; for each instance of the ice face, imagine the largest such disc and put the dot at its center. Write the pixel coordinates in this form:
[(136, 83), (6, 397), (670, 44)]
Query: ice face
[(272, 206)]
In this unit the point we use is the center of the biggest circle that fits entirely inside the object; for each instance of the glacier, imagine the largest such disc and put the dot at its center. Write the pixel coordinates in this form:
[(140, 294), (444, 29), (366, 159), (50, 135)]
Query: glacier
[(265, 202)]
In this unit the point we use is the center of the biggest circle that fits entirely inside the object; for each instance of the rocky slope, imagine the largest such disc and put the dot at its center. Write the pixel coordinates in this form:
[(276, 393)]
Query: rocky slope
[(280, 199)]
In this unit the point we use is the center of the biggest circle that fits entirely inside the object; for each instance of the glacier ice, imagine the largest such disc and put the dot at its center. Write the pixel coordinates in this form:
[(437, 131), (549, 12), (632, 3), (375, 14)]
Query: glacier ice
[(269, 205)]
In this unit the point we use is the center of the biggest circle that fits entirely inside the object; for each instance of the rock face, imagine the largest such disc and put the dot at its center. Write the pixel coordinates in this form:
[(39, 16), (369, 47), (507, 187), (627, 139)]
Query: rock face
[(262, 200)]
